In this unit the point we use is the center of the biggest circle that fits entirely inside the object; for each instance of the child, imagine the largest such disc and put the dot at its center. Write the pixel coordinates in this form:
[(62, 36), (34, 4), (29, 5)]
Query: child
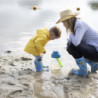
[(36, 44)]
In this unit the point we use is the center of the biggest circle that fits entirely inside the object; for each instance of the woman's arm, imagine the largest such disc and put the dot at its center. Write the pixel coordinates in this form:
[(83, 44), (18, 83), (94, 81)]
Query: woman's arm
[(79, 33)]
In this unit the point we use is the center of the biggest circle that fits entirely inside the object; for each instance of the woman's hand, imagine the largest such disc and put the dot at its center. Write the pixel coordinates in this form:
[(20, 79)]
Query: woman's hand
[(66, 48)]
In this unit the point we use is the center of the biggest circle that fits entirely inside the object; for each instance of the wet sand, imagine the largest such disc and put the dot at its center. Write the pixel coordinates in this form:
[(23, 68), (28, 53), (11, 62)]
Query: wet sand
[(18, 78)]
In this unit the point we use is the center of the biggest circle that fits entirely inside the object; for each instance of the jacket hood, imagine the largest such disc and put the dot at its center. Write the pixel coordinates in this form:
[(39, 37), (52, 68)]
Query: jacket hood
[(43, 31)]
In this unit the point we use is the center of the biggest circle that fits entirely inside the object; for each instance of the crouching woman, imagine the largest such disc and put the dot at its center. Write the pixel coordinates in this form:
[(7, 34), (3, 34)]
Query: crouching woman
[(82, 43)]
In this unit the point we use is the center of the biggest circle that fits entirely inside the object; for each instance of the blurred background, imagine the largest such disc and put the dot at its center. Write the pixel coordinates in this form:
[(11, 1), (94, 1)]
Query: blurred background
[(18, 20)]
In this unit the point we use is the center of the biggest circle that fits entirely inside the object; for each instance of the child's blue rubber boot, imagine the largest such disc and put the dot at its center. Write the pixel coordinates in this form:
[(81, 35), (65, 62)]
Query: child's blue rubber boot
[(39, 67), (45, 66), (94, 66), (83, 67)]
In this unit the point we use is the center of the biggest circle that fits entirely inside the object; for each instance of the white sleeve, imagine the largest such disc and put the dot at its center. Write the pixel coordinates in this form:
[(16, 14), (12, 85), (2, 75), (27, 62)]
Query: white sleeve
[(79, 33)]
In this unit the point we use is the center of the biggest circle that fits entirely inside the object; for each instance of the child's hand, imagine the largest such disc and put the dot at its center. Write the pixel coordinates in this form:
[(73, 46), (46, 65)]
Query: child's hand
[(44, 52)]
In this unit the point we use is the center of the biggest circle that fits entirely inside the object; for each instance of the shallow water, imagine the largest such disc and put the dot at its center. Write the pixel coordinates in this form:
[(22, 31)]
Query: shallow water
[(18, 21)]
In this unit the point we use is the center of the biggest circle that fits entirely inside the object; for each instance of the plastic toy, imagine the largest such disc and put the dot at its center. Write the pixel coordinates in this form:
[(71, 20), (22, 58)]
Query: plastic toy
[(57, 55)]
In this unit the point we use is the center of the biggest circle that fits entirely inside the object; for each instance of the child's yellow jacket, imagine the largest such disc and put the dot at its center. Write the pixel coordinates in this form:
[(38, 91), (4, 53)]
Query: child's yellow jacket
[(36, 44)]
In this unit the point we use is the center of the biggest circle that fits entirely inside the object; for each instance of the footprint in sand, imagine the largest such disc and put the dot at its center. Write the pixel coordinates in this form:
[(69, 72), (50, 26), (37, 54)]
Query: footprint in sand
[(25, 59), (25, 71), (11, 94)]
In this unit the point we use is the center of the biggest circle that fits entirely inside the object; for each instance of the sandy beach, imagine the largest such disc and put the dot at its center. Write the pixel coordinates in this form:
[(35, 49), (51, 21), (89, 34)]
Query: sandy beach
[(18, 78)]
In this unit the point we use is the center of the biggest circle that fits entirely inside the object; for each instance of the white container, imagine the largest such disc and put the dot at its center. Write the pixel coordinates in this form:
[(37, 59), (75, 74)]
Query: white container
[(55, 65)]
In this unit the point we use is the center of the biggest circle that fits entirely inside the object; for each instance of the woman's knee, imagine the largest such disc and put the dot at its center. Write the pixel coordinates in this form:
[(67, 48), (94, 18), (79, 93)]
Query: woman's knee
[(73, 51)]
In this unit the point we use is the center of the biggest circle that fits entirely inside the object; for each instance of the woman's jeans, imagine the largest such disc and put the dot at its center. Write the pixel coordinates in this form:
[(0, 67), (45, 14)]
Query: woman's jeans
[(88, 51)]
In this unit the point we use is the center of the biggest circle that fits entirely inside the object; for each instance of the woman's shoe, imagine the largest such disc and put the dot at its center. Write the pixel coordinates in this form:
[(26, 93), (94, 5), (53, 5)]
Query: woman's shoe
[(94, 66), (83, 67)]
